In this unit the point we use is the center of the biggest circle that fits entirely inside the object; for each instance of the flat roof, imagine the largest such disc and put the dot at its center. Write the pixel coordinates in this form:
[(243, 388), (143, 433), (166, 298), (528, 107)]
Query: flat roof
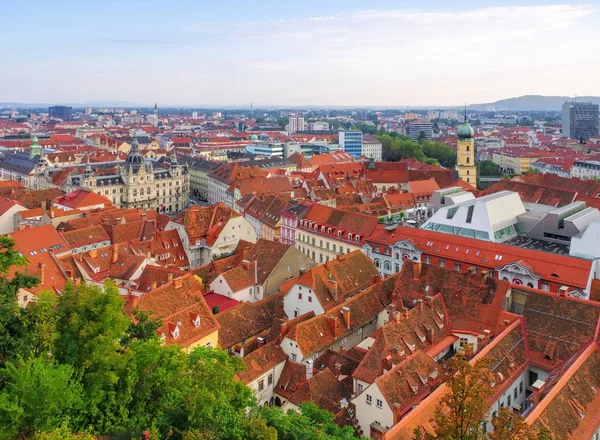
[(538, 245)]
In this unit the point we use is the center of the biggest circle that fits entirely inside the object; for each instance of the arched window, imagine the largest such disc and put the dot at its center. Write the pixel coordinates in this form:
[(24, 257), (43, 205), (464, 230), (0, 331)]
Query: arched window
[(397, 256), (350, 236), (387, 265), (468, 159), (377, 263), (529, 285)]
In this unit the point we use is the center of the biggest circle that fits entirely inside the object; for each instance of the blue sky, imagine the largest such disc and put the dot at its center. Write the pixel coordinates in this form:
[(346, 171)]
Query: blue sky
[(281, 53)]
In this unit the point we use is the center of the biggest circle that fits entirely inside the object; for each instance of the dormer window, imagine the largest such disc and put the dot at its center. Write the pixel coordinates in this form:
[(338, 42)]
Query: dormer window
[(175, 332), (196, 321), (315, 227), (350, 236), (329, 230), (163, 338), (339, 233)]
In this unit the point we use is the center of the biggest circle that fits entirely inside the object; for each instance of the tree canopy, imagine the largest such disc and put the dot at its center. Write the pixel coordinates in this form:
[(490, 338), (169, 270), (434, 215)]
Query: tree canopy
[(75, 365), (396, 148)]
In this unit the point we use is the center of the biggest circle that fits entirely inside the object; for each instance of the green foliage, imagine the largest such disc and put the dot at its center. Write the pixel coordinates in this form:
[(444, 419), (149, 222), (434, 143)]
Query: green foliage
[(365, 128), (74, 365), (310, 423), (38, 395), (488, 168), (396, 147)]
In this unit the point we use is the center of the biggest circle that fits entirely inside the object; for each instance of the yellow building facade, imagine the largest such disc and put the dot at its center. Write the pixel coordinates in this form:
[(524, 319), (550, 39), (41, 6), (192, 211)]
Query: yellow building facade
[(465, 154)]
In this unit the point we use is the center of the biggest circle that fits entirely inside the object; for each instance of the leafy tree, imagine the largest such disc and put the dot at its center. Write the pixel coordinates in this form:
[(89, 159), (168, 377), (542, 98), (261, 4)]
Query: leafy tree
[(488, 168), (310, 422), (90, 323), (38, 395), (464, 408), (14, 332), (216, 402), (509, 425)]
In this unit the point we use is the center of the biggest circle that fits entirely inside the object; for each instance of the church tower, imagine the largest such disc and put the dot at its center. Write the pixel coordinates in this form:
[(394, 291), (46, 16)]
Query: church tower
[(34, 149), (465, 158)]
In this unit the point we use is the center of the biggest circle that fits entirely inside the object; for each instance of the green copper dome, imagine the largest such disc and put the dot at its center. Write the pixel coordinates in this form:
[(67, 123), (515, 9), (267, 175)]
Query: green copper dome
[(254, 138), (465, 131)]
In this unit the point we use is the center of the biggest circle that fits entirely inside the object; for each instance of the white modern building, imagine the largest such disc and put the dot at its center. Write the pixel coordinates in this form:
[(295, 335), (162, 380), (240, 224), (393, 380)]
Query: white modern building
[(492, 218), (271, 149)]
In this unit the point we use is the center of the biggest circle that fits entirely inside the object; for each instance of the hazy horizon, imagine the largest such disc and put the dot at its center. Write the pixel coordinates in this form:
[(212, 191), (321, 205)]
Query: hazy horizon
[(313, 54)]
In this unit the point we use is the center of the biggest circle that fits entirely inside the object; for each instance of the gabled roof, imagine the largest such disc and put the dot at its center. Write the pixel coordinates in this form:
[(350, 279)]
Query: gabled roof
[(562, 269), (570, 410), (82, 199), (407, 382), (248, 319), (557, 327), (333, 282), (180, 305), (261, 360), (323, 389), (85, 236), (205, 222)]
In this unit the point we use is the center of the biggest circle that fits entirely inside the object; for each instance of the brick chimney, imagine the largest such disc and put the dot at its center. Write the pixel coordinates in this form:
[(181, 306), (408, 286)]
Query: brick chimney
[(170, 277), (93, 253), (397, 316), (153, 286), (563, 291), (115, 255), (246, 264), (346, 316), (333, 323), (417, 267), (429, 335), (333, 288), (420, 301), (387, 363), (178, 283), (337, 369), (42, 268)]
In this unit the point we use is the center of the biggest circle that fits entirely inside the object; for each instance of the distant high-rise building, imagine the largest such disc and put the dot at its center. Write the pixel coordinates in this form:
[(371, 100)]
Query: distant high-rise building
[(194, 115), (88, 111), (351, 142), (296, 123), (419, 128), (61, 112), (580, 120)]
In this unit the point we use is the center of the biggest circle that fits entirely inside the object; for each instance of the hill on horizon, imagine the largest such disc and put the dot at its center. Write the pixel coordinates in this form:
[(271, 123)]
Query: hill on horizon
[(532, 102)]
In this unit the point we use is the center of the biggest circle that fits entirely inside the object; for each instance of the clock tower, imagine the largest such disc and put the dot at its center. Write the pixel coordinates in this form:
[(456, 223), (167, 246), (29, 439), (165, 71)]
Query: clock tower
[(465, 153)]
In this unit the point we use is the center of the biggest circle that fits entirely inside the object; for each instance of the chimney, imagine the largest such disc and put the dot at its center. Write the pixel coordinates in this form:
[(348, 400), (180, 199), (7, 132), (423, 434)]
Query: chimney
[(420, 301), (397, 316), (153, 286), (471, 270), (77, 282), (485, 274), (346, 315), (337, 369), (42, 267), (246, 264), (375, 279), (333, 288), (429, 301), (333, 323), (309, 369), (148, 255), (93, 253), (417, 266), (170, 277), (115, 255), (51, 213), (429, 335), (390, 310), (387, 363), (178, 283), (563, 291), (405, 312)]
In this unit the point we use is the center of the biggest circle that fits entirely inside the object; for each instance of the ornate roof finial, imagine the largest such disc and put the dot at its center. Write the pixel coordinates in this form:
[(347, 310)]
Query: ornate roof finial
[(465, 112)]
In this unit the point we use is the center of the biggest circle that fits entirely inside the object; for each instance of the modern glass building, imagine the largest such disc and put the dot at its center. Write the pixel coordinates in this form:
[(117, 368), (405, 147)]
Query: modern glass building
[(351, 142)]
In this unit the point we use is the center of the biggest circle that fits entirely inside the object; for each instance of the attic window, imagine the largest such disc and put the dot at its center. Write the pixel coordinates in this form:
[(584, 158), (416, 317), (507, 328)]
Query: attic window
[(196, 321), (175, 331), (350, 236), (339, 233)]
